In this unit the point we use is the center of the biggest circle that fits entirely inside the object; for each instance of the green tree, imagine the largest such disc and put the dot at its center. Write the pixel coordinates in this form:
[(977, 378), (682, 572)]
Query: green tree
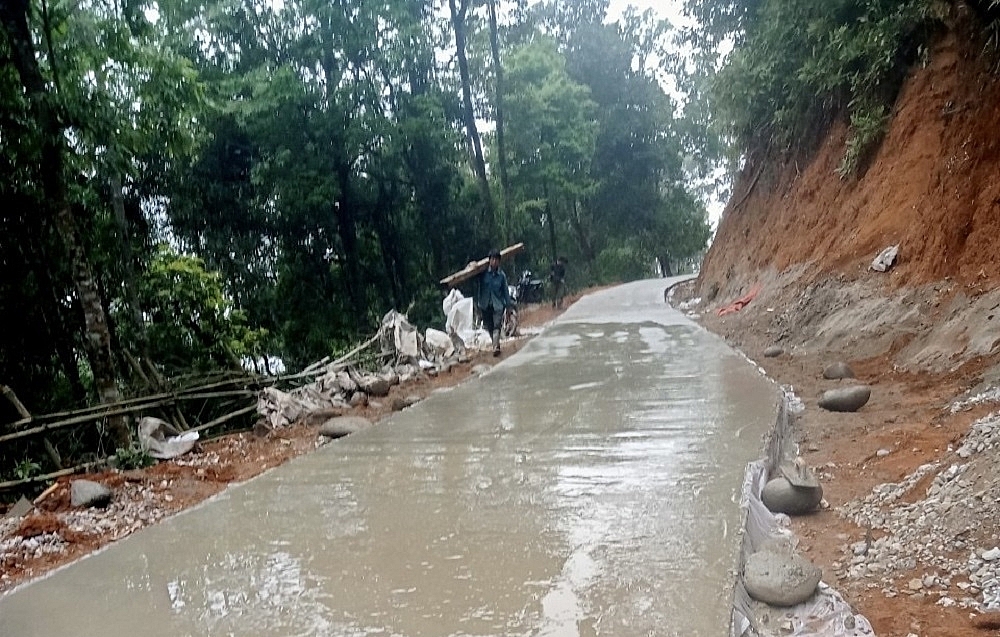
[(553, 136)]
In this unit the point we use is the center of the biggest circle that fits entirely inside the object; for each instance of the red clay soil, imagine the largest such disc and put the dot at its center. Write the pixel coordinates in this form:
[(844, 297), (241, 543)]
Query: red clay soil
[(933, 187), (143, 496)]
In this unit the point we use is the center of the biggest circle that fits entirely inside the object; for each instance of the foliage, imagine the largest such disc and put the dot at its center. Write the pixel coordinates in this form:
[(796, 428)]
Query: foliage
[(133, 457), (622, 262), (189, 321), (27, 469), (797, 64), (253, 179)]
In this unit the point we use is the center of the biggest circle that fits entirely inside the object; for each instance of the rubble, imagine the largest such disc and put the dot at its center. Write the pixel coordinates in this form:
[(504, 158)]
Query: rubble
[(340, 387), (931, 543)]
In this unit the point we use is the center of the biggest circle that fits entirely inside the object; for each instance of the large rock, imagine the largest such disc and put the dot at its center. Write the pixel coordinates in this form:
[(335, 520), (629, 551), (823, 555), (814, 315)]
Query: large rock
[(780, 579), (375, 386), (781, 496), (343, 426), (359, 399), (773, 351), (346, 383), (845, 398), (84, 493), (838, 371)]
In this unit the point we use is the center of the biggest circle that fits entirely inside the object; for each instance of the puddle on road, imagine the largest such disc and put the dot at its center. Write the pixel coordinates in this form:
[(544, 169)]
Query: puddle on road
[(584, 487)]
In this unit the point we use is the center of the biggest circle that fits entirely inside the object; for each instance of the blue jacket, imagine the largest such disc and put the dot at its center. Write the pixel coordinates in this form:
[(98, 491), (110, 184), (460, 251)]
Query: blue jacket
[(493, 291)]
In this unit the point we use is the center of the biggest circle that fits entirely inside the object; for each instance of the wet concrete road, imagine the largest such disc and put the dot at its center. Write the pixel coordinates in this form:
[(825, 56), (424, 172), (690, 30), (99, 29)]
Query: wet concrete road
[(585, 486)]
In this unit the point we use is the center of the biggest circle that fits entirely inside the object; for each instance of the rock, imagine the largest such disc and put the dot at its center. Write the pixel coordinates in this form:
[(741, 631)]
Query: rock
[(882, 453), (20, 509), (358, 399), (412, 400), (390, 375), (343, 426), (991, 555), (375, 386), (780, 579), (845, 399), (780, 496), (481, 369), (798, 474), (345, 382), (915, 584), (773, 352), (84, 493), (838, 371)]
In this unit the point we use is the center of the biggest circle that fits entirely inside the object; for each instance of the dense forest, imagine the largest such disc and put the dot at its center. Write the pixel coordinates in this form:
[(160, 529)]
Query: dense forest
[(198, 185)]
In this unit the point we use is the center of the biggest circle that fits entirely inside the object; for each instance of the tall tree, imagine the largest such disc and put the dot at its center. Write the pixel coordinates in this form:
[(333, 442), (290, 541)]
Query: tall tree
[(52, 169), (553, 140), (498, 111), (459, 15)]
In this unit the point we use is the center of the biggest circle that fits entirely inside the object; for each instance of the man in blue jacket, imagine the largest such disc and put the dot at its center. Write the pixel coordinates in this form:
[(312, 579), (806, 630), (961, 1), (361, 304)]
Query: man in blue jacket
[(493, 299)]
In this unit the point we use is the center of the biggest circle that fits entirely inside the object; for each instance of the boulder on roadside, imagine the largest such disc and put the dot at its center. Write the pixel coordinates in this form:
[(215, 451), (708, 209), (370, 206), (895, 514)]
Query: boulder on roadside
[(845, 399), (773, 352), (359, 399), (343, 426), (346, 383), (375, 386), (838, 371), (779, 578), (86, 493), (781, 496)]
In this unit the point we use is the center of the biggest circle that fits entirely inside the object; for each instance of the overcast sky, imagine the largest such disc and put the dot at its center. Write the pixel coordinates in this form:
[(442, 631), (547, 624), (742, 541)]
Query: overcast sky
[(669, 9)]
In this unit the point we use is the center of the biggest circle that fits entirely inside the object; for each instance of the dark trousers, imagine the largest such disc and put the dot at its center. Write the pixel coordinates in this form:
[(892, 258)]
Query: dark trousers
[(492, 319)]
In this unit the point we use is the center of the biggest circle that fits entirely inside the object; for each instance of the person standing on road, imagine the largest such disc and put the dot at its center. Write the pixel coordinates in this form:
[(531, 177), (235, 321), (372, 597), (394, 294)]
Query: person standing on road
[(558, 279), (493, 299)]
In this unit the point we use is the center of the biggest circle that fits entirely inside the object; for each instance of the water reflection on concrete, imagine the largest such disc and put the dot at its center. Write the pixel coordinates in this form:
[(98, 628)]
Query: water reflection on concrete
[(586, 486)]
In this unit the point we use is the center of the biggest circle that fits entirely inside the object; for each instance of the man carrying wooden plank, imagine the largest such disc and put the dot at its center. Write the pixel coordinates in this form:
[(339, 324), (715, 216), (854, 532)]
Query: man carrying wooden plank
[(493, 298)]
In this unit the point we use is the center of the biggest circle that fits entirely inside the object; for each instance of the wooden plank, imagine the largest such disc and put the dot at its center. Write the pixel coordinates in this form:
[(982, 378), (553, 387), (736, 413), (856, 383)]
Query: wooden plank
[(477, 267)]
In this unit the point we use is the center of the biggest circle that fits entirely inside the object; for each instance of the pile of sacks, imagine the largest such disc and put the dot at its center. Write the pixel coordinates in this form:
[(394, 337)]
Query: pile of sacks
[(341, 387)]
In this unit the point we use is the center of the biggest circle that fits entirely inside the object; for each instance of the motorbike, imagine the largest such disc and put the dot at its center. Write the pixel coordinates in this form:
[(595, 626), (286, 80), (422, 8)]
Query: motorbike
[(528, 289)]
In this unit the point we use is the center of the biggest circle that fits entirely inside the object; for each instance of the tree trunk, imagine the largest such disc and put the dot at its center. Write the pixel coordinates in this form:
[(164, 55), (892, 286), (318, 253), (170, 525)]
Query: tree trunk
[(552, 224), (501, 143), (478, 160), (347, 229), (586, 245), (97, 338)]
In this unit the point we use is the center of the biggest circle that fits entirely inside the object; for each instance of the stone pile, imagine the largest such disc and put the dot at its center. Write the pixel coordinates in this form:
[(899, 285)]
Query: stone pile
[(929, 546), (336, 392), (133, 507)]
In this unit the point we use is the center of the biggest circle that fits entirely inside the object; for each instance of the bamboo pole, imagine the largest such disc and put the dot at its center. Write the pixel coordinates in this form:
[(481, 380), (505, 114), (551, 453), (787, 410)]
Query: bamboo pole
[(24, 433), (13, 484), (18, 405), (226, 418)]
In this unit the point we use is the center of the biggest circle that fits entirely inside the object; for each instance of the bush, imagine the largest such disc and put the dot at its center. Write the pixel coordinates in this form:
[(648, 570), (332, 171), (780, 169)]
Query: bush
[(133, 457)]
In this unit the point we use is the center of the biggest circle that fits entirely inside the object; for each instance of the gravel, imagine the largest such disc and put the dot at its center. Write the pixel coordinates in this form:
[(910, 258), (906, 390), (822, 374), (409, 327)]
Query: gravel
[(936, 545)]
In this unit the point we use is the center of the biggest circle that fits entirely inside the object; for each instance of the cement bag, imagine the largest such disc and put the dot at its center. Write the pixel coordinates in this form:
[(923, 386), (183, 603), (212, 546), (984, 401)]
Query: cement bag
[(449, 301), (438, 341), (460, 318)]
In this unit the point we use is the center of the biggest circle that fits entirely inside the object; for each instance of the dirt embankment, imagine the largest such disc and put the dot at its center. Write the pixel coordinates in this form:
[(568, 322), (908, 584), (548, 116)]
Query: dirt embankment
[(917, 556)]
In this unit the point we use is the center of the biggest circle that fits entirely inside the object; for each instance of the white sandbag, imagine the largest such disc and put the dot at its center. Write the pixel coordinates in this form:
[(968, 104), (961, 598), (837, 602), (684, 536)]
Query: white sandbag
[(438, 341), (460, 318)]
